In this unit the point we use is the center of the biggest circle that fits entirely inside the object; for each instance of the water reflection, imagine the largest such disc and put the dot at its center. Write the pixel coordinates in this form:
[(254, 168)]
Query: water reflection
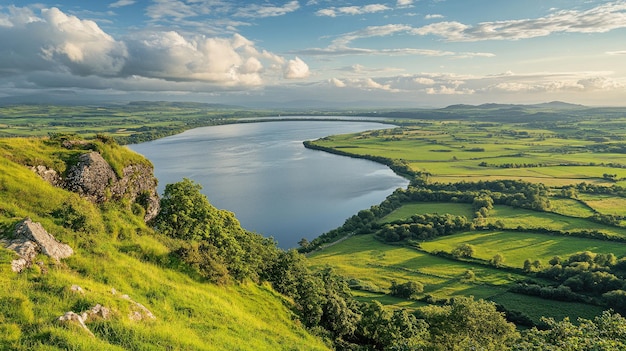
[(263, 173)]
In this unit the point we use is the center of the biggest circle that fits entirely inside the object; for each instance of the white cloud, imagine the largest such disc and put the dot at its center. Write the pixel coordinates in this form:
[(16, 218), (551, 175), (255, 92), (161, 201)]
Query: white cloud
[(55, 40), (622, 52), (433, 16), (424, 81), (122, 3), (550, 82), (352, 10), (447, 90), (169, 8), (404, 3), (262, 11), (340, 46), (337, 83), (370, 32), (70, 47), (296, 69), (599, 83), (600, 19)]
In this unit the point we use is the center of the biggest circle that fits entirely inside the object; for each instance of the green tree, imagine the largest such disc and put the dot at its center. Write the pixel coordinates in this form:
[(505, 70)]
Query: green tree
[(468, 324), (340, 311), (464, 250), (386, 330), (497, 260), (406, 290), (606, 332), (528, 265), (213, 234)]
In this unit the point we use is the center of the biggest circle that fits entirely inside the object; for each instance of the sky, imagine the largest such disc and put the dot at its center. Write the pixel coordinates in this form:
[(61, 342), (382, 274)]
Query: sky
[(402, 53)]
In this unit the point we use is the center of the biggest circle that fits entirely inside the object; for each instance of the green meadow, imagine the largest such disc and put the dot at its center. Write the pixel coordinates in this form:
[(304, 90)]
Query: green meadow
[(519, 246), (581, 164), (375, 264), (466, 151)]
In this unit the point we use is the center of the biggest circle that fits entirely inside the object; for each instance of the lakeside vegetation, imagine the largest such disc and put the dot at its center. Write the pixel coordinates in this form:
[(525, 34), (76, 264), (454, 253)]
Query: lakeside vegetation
[(524, 245)]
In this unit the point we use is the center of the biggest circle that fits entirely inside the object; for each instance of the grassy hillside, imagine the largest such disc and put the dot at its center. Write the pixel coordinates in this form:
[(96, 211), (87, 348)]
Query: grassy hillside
[(116, 254)]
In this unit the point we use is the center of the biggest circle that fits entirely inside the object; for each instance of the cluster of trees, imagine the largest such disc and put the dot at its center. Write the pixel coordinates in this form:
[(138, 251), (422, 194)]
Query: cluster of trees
[(512, 165), (586, 276), (406, 290), (505, 192), (209, 240), (424, 226)]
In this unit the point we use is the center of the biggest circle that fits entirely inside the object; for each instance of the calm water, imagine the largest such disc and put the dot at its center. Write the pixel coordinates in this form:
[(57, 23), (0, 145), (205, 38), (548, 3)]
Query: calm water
[(263, 173)]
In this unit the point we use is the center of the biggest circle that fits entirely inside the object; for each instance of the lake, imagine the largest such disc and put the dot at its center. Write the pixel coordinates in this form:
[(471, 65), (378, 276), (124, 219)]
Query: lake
[(273, 184)]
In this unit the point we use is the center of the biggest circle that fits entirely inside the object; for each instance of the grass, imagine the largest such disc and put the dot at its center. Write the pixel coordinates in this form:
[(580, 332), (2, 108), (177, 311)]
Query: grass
[(535, 307), (410, 209), (605, 204), (512, 218), (364, 258), (454, 152), (116, 253), (570, 207), (519, 246)]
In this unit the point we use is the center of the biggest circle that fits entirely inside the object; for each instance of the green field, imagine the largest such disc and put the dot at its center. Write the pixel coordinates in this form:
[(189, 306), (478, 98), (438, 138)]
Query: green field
[(511, 217), (519, 246), (128, 123), (605, 204), (407, 210), (364, 258), (455, 152), (568, 156), (570, 207)]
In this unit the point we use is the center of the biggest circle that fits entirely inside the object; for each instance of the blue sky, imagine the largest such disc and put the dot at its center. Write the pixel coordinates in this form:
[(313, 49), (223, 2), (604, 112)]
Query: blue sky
[(405, 53)]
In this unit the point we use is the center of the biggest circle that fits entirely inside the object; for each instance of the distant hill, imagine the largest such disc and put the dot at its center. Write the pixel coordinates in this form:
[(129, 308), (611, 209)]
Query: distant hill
[(183, 104), (552, 105), (557, 105)]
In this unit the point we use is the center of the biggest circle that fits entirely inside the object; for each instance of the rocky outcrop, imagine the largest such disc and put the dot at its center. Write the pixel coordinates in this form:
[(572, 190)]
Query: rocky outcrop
[(98, 311), (48, 174), (139, 184), (91, 177), (94, 178), (30, 238)]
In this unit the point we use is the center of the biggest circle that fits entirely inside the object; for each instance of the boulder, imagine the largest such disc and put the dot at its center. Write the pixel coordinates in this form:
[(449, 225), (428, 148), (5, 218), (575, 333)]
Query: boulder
[(93, 178), (31, 238)]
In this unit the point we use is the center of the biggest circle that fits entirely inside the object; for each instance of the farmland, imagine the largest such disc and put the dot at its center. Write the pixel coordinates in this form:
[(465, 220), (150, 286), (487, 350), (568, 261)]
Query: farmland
[(496, 209)]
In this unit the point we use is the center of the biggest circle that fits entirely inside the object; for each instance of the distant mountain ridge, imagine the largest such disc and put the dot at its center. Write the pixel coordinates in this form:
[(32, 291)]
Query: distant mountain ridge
[(552, 104)]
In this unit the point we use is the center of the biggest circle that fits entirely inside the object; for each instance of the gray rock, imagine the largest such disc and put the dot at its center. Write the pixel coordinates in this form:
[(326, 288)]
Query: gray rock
[(80, 319), (48, 174), (30, 238), (93, 178), (71, 317)]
